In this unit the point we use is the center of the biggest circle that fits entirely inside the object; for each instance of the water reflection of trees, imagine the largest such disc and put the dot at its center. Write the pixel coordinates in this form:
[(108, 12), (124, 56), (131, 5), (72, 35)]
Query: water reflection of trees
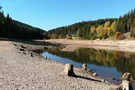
[(124, 62)]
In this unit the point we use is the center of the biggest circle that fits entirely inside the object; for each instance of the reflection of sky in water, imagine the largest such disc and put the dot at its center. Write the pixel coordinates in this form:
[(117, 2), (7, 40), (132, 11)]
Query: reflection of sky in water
[(104, 72), (108, 71)]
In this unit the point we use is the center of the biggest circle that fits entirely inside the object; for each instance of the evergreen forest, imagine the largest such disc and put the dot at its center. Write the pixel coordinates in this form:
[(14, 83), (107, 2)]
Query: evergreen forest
[(13, 29)]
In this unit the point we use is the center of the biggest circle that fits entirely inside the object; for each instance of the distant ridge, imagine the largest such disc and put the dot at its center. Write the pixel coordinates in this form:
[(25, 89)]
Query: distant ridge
[(24, 25)]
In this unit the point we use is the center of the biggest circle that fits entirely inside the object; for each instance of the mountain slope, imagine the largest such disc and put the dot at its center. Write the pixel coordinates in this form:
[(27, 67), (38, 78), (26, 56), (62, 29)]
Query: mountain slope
[(15, 29)]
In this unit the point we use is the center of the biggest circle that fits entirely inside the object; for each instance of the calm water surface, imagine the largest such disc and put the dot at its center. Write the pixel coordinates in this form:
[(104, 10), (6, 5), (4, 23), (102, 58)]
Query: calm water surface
[(107, 64)]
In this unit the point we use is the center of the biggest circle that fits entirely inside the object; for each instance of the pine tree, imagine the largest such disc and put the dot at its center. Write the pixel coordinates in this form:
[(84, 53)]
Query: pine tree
[(79, 34), (120, 25)]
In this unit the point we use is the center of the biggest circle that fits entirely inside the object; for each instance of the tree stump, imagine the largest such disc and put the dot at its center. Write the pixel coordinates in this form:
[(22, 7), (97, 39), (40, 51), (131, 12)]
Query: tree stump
[(31, 54), (69, 70), (125, 86), (128, 77), (84, 67), (127, 82), (45, 47)]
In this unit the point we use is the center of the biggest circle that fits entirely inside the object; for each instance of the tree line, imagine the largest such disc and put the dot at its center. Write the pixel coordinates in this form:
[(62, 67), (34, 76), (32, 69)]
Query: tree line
[(13, 29), (98, 29)]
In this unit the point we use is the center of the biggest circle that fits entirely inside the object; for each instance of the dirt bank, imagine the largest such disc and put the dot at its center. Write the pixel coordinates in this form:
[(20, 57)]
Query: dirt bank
[(123, 45)]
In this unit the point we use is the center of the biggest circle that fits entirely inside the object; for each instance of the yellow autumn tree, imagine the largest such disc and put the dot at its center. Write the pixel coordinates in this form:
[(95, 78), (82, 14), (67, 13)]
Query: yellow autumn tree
[(113, 28), (54, 36), (92, 29), (99, 31), (107, 24), (106, 29), (92, 32), (60, 36), (68, 36)]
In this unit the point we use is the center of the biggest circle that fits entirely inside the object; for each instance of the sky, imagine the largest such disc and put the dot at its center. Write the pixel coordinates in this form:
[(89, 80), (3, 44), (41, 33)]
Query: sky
[(49, 14)]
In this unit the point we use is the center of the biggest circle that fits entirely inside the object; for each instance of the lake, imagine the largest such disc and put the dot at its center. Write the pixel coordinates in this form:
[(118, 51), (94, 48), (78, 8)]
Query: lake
[(110, 65)]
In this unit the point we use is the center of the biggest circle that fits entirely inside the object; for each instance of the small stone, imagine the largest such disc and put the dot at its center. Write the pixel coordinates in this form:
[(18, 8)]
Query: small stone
[(102, 80), (106, 81), (48, 58), (14, 44), (23, 47), (24, 53), (95, 74), (45, 57), (113, 78)]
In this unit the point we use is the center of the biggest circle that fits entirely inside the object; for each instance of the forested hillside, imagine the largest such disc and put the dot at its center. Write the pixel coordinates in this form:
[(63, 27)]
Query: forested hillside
[(82, 29), (98, 29), (14, 29)]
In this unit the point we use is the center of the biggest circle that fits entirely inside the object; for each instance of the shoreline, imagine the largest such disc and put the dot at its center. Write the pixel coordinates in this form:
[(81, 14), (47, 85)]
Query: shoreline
[(20, 70), (71, 45)]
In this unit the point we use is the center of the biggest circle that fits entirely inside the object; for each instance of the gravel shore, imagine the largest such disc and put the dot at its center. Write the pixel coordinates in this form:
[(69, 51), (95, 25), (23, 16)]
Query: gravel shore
[(21, 69)]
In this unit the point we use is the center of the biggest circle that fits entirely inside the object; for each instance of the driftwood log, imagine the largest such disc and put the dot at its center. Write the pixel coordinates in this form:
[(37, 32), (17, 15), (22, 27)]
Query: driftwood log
[(69, 70)]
